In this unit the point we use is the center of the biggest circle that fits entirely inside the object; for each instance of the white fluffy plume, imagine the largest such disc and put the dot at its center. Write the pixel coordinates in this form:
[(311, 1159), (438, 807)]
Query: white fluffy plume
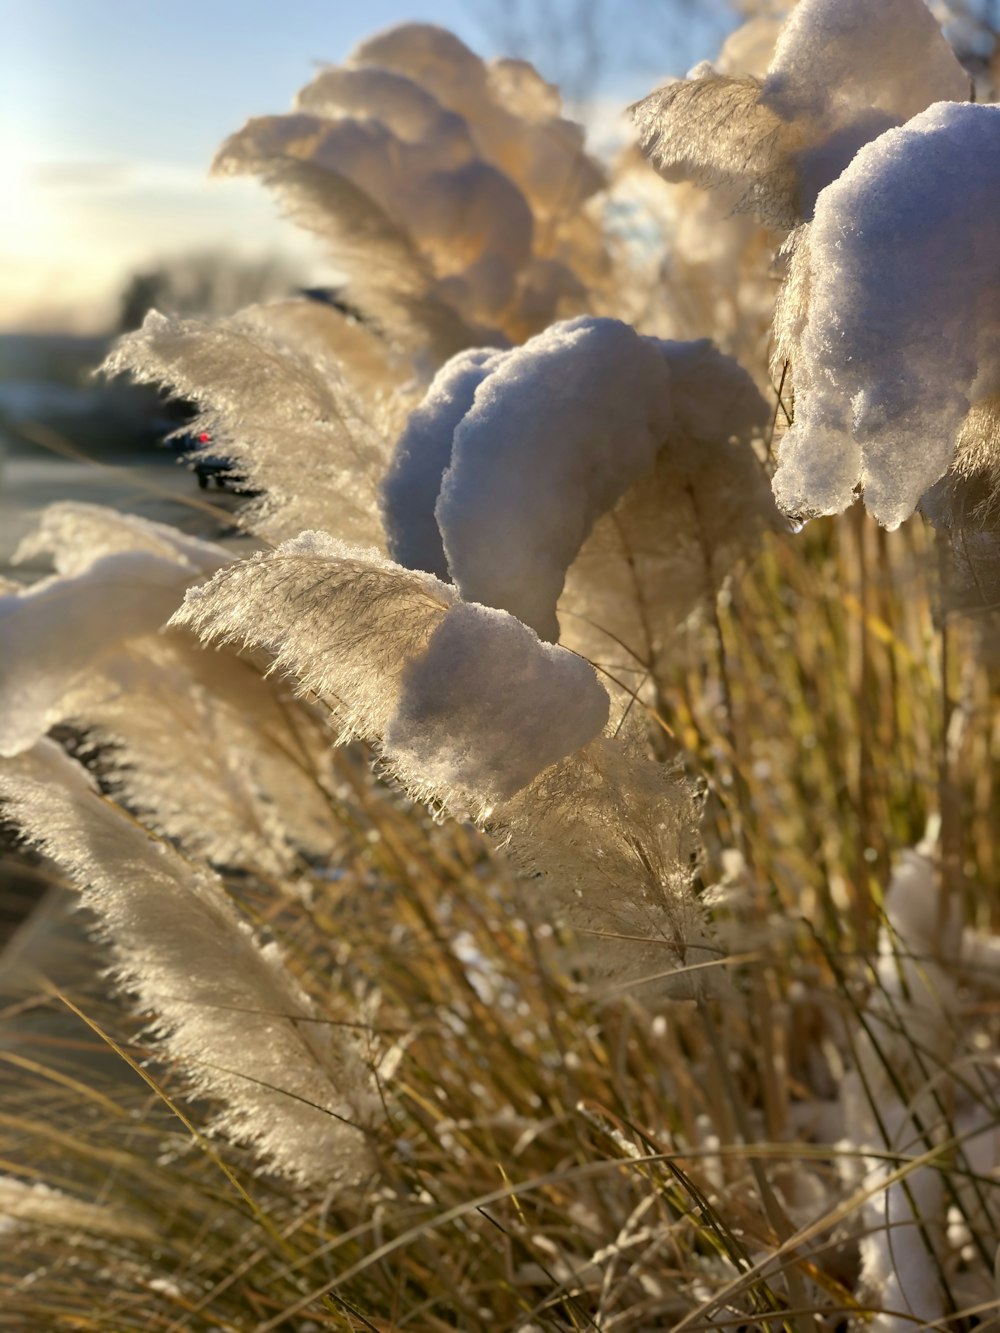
[(342, 622), (289, 423), (227, 1009), (467, 704), (610, 837), (55, 632), (38, 1207), (448, 191)]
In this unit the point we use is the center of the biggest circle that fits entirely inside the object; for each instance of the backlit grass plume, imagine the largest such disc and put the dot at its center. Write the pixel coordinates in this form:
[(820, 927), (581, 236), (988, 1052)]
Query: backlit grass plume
[(540, 885)]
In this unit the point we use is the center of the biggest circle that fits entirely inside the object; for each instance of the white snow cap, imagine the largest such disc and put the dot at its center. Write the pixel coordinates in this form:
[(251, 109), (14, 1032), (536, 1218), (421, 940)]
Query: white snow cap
[(833, 57), (410, 487), (53, 633), (488, 706), (843, 72), (847, 66), (556, 432), (899, 334)]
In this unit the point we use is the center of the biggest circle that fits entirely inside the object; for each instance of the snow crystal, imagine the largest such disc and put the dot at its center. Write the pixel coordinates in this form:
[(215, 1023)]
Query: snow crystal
[(556, 434), (488, 706), (899, 334)]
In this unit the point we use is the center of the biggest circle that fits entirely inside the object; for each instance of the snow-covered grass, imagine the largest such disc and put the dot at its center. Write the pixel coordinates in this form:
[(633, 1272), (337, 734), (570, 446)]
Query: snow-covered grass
[(546, 886)]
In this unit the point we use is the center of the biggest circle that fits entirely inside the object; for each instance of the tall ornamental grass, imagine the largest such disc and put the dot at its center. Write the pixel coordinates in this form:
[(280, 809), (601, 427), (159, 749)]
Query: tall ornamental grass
[(545, 875)]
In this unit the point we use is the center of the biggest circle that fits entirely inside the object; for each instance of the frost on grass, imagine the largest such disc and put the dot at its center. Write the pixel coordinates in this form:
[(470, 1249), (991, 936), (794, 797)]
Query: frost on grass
[(289, 423), (897, 340), (488, 707), (224, 1005), (843, 71), (465, 701)]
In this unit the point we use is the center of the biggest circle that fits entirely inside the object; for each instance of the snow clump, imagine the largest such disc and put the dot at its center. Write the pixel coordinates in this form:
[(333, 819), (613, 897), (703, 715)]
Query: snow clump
[(893, 334), (488, 706), (843, 72)]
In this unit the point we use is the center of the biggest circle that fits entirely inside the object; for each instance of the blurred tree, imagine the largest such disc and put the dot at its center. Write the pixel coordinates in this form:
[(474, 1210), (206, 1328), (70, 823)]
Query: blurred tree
[(582, 45), (204, 283)]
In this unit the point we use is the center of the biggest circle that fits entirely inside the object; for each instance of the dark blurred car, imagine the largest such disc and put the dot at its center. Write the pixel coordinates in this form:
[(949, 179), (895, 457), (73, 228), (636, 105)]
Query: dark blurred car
[(207, 466)]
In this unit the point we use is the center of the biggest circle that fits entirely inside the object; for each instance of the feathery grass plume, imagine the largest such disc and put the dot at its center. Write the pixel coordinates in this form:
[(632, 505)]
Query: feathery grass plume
[(841, 74), (611, 836), (465, 702), (119, 578), (964, 507), (56, 631), (389, 282), (323, 333), (170, 719), (342, 623), (677, 532), (466, 218), (209, 752), (899, 336), (714, 131), (290, 424), (451, 199), (511, 113), (557, 1155), (39, 1207), (225, 1006), (409, 111)]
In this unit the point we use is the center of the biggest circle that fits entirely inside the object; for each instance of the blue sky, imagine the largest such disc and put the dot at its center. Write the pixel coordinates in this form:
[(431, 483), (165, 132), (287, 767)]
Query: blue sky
[(110, 111)]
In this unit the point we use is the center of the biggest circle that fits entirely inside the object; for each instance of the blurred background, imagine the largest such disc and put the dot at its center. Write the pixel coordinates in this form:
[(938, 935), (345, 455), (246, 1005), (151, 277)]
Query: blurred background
[(110, 113)]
